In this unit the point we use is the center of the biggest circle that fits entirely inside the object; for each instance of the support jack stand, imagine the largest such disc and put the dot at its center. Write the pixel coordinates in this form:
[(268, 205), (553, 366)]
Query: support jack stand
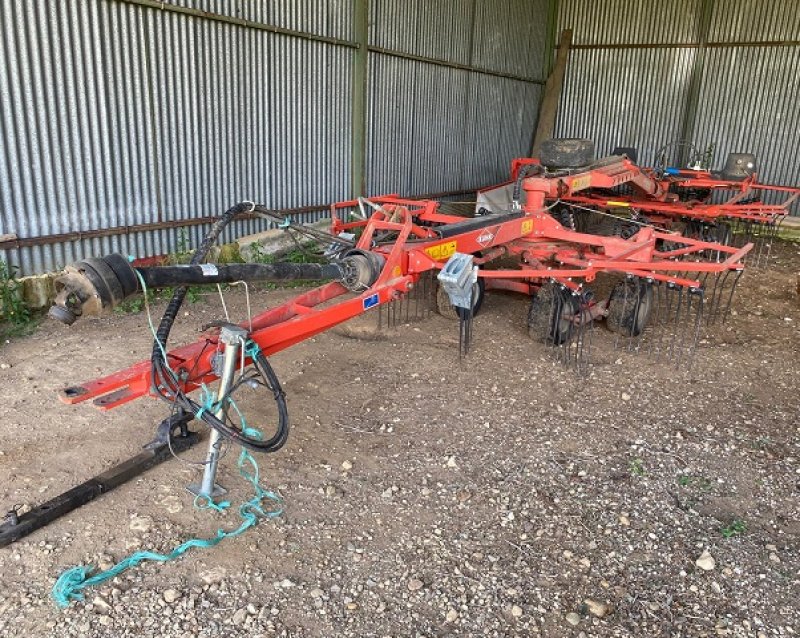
[(173, 432)]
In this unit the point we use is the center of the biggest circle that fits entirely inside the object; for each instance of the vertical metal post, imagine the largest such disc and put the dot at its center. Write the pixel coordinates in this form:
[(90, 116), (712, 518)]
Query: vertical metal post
[(233, 337), (359, 90)]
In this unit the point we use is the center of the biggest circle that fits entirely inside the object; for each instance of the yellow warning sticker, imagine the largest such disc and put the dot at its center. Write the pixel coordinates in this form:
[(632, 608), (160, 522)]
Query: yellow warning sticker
[(618, 204), (441, 251), (397, 271), (579, 183), (527, 226)]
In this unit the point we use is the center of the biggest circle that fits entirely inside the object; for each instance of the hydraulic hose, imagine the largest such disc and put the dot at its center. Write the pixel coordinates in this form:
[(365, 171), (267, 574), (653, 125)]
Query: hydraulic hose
[(522, 173), (167, 386), (174, 306), (276, 441)]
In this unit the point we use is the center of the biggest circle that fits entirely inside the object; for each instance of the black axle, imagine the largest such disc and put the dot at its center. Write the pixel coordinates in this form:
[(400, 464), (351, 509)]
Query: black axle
[(173, 435)]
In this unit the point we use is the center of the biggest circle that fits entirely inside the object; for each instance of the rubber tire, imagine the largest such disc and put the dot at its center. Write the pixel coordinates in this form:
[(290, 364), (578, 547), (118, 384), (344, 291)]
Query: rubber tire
[(566, 153), (544, 323), (104, 280), (125, 273), (630, 316), (449, 311)]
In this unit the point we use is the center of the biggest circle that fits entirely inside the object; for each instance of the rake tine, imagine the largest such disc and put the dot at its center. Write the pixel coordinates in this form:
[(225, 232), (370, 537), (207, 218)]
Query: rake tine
[(585, 327), (624, 305), (677, 322), (465, 328), (632, 339), (713, 298), (551, 335), (427, 306), (380, 317), (759, 242), (571, 345), (682, 329), (669, 293), (716, 304), (655, 318), (415, 292), (776, 226), (730, 297), (558, 312), (698, 320), (736, 226)]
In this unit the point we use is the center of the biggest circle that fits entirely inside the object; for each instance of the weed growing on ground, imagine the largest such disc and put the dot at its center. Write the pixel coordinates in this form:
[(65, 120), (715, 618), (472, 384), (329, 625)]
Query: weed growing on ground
[(636, 467), (735, 528), (16, 319)]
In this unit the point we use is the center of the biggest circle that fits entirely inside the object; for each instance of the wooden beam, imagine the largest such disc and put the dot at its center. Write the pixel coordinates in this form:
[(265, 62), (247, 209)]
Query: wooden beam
[(552, 93)]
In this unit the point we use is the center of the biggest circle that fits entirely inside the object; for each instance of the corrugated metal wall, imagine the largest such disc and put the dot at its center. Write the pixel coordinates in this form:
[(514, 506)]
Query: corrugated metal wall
[(118, 112), (435, 128), (722, 72)]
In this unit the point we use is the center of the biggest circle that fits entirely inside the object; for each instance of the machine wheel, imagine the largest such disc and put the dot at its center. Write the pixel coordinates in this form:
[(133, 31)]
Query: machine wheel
[(448, 310), (630, 307), (551, 313), (566, 153)]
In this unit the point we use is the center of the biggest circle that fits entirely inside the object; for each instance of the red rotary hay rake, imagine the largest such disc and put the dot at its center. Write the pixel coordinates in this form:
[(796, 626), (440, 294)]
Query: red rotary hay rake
[(729, 207), (384, 252)]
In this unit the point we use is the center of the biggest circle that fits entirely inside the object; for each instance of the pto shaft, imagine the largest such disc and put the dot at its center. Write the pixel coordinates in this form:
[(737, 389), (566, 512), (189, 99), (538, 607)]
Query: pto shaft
[(94, 286)]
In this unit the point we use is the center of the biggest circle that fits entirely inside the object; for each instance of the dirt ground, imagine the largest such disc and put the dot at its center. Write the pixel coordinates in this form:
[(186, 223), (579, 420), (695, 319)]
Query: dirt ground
[(427, 496)]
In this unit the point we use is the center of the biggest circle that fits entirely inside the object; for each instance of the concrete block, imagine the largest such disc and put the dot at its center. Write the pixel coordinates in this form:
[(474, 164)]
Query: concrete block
[(38, 291)]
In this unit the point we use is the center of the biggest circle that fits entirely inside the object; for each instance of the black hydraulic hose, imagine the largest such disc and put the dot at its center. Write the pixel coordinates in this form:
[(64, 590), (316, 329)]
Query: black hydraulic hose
[(522, 173), (161, 376), (174, 306), (161, 276), (272, 444)]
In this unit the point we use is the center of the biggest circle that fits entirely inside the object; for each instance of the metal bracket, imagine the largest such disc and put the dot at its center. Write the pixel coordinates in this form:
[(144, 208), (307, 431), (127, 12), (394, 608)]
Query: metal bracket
[(457, 278)]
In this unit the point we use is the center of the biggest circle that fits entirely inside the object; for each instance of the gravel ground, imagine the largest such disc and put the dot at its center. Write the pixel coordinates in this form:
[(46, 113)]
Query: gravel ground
[(501, 495)]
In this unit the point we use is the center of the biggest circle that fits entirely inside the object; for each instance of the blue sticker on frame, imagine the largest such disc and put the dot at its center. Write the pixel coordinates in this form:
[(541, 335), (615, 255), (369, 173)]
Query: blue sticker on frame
[(371, 301)]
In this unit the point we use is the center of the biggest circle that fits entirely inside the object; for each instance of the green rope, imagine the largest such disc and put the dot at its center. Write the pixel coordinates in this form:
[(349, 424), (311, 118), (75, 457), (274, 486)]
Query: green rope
[(73, 581)]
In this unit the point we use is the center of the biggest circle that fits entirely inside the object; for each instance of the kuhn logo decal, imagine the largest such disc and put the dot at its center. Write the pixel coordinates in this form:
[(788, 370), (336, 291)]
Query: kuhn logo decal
[(485, 238)]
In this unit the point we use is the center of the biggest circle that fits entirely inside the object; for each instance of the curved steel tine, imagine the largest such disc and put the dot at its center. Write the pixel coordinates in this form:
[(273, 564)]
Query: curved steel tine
[(669, 294), (586, 325), (730, 297), (674, 327), (772, 233), (697, 323), (716, 303), (563, 349), (712, 309), (637, 305), (551, 335), (683, 328), (654, 318), (624, 305)]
